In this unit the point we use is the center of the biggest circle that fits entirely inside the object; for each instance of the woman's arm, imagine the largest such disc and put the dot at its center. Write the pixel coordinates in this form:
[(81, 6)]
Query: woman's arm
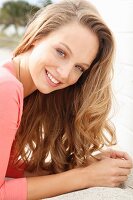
[(56, 184), (108, 172), (10, 113)]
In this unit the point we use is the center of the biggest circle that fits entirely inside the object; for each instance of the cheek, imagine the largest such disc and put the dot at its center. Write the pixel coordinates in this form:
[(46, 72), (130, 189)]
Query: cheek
[(73, 80), (44, 58), (38, 53)]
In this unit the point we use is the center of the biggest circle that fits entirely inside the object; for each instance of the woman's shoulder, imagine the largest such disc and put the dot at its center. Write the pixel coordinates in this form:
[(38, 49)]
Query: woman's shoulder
[(8, 81), (7, 75)]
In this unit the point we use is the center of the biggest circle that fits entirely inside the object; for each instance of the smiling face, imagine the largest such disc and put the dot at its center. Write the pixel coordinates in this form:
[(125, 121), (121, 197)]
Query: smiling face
[(58, 60)]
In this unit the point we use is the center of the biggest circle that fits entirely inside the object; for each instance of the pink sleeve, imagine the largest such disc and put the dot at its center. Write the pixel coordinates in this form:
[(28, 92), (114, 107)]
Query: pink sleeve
[(10, 97)]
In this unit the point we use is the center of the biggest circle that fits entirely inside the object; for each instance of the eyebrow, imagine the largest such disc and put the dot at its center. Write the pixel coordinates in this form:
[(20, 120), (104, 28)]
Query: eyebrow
[(67, 47)]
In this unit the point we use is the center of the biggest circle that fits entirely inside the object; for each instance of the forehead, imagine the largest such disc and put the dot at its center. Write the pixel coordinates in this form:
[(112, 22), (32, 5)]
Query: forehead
[(74, 32), (78, 37)]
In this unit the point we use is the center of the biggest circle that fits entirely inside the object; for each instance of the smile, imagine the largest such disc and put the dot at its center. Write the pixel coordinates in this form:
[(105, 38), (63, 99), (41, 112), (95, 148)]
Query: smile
[(52, 81)]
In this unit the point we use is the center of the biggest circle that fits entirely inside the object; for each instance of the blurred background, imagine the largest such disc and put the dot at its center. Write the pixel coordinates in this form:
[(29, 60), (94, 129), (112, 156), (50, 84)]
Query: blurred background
[(119, 17), (14, 15)]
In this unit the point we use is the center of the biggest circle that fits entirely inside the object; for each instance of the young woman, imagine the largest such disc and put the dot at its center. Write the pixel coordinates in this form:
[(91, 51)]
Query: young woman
[(55, 97)]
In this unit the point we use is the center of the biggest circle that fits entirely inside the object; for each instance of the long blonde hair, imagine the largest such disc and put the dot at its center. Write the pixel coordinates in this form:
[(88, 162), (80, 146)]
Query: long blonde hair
[(73, 122)]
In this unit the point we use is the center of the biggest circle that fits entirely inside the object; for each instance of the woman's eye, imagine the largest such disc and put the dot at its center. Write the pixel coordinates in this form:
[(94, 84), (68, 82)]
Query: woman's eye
[(61, 52), (80, 68)]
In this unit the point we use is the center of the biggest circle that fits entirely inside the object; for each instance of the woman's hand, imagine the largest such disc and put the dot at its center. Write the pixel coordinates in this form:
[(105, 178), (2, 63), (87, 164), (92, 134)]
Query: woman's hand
[(110, 153), (111, 170)]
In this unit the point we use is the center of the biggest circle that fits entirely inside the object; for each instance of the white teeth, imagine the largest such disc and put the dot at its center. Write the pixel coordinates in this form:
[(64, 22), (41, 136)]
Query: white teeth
[(52, 79)]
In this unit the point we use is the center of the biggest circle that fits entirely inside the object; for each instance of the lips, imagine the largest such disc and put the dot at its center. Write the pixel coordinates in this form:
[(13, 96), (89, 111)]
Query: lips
[(50, 78)]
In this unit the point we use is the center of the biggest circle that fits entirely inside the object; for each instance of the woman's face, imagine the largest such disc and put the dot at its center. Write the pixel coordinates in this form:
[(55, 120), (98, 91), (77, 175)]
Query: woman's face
[(58, 60)]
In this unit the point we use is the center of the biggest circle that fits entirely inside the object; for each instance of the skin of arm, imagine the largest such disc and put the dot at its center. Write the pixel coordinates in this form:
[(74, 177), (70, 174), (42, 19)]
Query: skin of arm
[(55, 184), (108, 171)]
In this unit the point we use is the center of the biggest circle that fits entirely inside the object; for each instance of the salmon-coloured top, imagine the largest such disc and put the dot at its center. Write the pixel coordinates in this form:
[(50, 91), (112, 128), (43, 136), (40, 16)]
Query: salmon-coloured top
[(11, 106)]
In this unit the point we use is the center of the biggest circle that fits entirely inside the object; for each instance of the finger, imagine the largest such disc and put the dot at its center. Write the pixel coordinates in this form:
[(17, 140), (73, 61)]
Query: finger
[(122, 154), (115, 154), (122, 179), (124, 172), (124, 163)]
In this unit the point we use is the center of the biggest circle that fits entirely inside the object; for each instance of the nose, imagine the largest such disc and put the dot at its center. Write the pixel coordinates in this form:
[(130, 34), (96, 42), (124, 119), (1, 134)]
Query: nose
[(64, 72)]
